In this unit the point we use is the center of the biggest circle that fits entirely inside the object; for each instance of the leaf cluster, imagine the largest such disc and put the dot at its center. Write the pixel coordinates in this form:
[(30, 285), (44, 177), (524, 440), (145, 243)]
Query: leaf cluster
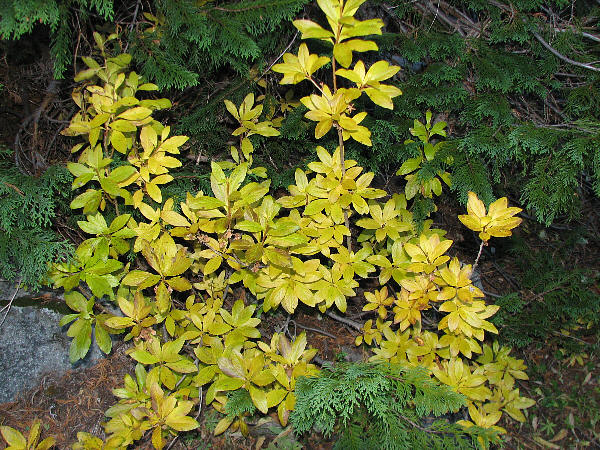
[(198, 344)]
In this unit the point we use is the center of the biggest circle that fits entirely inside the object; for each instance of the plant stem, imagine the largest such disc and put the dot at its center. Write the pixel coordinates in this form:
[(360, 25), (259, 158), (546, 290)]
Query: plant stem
[(343, 165), (342, 157), (478, 255)]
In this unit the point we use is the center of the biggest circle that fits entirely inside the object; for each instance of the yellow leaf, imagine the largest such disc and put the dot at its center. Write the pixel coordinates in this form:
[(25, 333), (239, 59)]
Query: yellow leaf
[(343, 53), (213, 264), (311, 30), (148, 212), (13, 437), (259, 398), (157, 439), (475, 207), (471, 222), (175, 219), (154, 192), (135, 114), (223, 425), (322, 128)]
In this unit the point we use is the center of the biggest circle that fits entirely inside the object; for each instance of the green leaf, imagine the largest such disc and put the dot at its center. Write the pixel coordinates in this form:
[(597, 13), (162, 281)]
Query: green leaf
[(81, 343), (99, 285), (182, 366), (76, 301), (90, 62), (225, 383), (86, 74), (89, 201), (316, 206), (122, 173), (237, 177), (94, 225), (143, 357), (173, 143), (119, 322), (140, 278), (110, 187), (311, 30), (204, 202), (343, 54), (409, 166), (148, 87), (103, 339), (249, 226), (123, 126), (179, 284), (213, 264), (118, 222), (278, 257)]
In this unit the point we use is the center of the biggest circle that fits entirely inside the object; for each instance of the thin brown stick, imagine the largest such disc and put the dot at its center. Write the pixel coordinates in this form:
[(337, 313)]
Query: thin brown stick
[(316, 330), (10, 185), (351, 323)]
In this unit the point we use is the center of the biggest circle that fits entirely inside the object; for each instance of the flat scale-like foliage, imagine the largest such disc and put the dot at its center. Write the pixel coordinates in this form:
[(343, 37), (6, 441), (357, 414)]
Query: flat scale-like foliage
[(28, 207), (380, 406)]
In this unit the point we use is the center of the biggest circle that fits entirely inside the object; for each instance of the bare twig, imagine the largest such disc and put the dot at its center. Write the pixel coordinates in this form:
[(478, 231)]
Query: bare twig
[(135, 13), (437, 11), (343, 320), (9, 305), (316, 330), (283, 434), (12, 186), (268, 69), (478, 255), (427, 430), (571, 337), (563, 57), (491, 294), (195, 418), (590, 36)]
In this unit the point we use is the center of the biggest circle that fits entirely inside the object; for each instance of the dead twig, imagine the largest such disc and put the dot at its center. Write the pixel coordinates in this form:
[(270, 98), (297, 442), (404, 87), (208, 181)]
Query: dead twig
[(268, 69), (350, 323), (478, 255), (9, 305), (316, 330), (563, 57)]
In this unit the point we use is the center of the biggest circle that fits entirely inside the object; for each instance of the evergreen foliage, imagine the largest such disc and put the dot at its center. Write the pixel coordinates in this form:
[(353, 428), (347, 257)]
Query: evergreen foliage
[(27, 208), (512, 105), (239, 403), (190, 38), (18, 18), (385, 406), (563, 296)]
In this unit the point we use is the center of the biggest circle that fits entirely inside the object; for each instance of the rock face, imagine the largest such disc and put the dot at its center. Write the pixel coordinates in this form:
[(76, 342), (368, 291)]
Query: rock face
[(32, 343)]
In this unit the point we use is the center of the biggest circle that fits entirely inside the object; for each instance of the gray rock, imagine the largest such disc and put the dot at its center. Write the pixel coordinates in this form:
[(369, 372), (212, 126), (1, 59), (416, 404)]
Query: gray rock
[(32, 343)]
